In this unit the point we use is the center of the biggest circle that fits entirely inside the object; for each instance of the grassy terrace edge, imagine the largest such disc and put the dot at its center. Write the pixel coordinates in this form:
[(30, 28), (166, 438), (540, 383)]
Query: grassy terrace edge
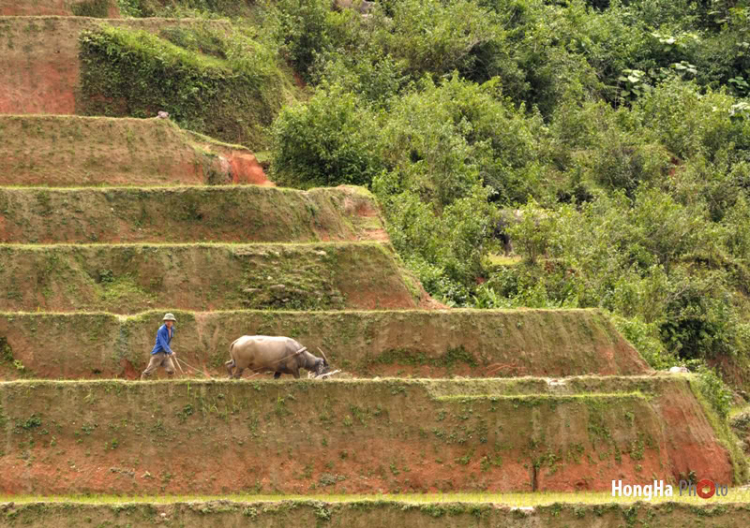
[(60, 151), (554, 510), (421, 343), (130, 278), (187, 214)]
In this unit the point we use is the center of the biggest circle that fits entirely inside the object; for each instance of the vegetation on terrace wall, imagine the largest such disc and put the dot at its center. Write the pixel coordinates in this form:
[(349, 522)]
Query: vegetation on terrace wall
[(610, 137), (479, 443), (422, 343), (166, 8), (224, 84), (130, 278), (389, 511), (92, 8), (186, 214)]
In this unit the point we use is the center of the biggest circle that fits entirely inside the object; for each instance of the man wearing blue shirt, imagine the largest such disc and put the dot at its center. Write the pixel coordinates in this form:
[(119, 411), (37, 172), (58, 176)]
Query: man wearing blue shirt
[(161, 355)]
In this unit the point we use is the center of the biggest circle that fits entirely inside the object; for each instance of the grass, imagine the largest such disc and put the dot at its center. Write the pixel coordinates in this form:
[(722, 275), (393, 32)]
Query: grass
[(539, 397), (319, 312), (429, 382), (313, 244), (504, 260), (738, 410), (172, 72), (186, 214), (723, 431), (177, 187), (517, 500)]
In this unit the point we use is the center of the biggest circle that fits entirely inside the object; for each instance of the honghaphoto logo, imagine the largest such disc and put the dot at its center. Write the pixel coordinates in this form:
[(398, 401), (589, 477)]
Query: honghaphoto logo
[(704, 489)]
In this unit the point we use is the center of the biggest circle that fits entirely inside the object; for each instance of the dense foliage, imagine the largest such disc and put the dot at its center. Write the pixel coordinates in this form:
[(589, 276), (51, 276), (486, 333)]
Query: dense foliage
[(150, 8), (219, 82), (610, 140)]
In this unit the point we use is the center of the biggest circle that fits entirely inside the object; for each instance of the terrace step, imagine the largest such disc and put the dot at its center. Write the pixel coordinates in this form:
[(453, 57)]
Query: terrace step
[(188, 214), (57, 151), (345, 436), (377, 511), (130, 278), (97, 8), (477, 343), (39, 58)]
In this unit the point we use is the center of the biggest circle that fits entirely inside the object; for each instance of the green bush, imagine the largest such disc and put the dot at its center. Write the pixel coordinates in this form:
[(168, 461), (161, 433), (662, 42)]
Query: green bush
[(612, 134), (442, 139), (331, 140), (689, 122), (233, 96), (92, 8), (439, 36), (645, 338), (307, 29), (165, 8), (718, 395)]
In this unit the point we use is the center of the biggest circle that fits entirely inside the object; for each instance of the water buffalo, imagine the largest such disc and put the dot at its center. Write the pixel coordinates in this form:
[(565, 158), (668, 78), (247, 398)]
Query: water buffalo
[(280, 355)]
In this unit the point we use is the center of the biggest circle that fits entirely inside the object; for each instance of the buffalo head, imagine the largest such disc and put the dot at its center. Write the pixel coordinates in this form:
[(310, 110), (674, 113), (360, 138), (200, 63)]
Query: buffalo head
[(321, 367)]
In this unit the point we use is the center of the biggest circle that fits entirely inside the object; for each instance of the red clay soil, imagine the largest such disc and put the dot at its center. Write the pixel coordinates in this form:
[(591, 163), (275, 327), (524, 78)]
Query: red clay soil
[(246, 169), (324, 437), (39, 60), (689, 438), (242, 166), (41, 78), (44, 89)]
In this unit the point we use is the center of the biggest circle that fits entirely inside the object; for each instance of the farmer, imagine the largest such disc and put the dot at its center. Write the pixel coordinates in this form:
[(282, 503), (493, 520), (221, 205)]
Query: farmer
[(161, 355)]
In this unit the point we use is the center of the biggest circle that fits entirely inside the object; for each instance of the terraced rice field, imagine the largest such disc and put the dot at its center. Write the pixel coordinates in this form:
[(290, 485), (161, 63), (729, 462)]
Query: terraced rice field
[(440, 417)]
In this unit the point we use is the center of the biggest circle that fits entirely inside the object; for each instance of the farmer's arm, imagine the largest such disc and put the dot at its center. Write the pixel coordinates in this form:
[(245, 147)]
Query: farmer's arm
[(163, 341)]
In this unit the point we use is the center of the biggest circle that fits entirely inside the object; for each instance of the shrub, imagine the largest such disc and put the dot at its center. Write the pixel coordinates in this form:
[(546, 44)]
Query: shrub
[(164, 8), (306, 29), (645, 338), (439, 36), (92, 8), (719, 396), (444, 138), (135, 73), (689, 123), (329, 141)]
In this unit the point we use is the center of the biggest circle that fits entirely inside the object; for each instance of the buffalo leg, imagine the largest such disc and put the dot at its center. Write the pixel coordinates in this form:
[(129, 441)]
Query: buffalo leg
[(295, 373), (238, 372), (276, 375), (230, 366)]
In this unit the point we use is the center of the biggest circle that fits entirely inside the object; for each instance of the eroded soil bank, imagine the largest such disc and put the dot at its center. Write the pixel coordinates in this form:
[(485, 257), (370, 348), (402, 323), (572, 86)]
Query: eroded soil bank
[(39, 59), (339, 437)]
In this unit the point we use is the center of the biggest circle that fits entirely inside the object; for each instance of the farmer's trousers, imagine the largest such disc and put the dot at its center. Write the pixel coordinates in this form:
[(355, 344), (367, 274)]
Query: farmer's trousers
[(160, 359)]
